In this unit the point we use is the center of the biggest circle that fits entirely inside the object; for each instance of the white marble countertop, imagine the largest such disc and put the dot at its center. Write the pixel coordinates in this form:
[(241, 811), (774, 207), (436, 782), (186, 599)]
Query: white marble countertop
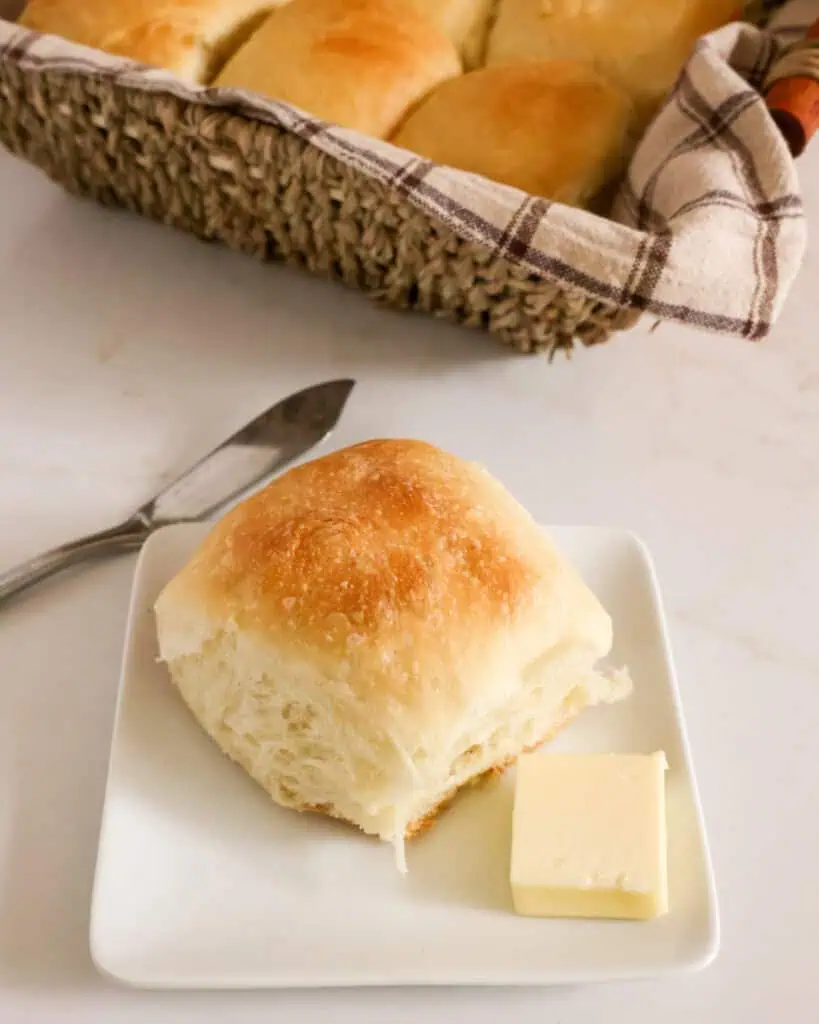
[(128, 349)]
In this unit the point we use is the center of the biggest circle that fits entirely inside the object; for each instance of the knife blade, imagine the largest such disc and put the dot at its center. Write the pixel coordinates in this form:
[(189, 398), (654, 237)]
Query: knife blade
[(282, 433)]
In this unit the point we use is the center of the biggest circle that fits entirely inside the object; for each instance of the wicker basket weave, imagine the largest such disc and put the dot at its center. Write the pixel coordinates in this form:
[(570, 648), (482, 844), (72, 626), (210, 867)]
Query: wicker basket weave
[(266, 190), (268, 193)]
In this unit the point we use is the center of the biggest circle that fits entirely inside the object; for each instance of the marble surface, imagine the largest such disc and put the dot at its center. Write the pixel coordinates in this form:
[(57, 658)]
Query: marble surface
[(127, 350)]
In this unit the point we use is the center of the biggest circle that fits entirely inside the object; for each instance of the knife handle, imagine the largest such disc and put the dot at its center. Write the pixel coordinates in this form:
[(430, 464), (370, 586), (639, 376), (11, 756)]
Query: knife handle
[(126, 536)]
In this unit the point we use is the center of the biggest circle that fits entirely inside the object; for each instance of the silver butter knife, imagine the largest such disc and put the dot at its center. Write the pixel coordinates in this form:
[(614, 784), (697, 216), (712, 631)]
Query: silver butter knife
[(282, 433)]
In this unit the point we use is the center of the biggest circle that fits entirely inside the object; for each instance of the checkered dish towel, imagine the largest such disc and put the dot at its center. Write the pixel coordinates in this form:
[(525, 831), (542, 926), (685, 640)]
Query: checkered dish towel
[(708, 228)]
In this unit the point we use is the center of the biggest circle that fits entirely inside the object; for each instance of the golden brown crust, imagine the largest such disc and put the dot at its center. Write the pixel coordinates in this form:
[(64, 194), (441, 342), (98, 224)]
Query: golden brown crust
[(357, 63), (556, 129), (465, 22), (641, 44), (188, 37), (412, 573)]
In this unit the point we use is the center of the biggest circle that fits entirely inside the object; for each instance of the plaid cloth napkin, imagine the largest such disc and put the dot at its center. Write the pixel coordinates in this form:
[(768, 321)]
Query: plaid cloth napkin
[(708, 228)]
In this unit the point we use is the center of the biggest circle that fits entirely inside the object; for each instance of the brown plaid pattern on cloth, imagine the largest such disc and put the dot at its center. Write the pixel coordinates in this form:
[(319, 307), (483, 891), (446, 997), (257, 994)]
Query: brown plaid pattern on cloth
[(707, 229)]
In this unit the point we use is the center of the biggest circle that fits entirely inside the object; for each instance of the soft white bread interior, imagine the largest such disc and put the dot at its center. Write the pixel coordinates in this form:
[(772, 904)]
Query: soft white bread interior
[(641, 44), (379, 627), (192, 38), (357, 63), (556, 129)]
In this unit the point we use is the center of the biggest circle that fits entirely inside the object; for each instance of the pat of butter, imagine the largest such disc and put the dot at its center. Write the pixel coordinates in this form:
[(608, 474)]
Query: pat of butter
[(589, 836)]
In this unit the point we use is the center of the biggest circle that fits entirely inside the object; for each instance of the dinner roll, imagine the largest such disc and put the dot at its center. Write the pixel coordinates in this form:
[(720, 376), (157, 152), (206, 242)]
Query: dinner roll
[(555, 128), (358, 63), (377, 628), (465, 22), (192, 38), (642, 44)]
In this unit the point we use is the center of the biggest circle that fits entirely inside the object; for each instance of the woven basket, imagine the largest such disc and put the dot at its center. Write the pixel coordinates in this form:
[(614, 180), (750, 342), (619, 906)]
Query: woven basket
[(280, 200), (268, 192)]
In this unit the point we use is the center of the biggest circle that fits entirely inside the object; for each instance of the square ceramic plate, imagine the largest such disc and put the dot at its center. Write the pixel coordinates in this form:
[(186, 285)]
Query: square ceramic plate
[(203, 882)]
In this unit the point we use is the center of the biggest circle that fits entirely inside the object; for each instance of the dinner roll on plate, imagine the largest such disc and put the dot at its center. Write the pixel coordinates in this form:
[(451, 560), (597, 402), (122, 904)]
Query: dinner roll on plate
[(377, 628), (357, 63), (556, 129), (192, 38), (642, 44)]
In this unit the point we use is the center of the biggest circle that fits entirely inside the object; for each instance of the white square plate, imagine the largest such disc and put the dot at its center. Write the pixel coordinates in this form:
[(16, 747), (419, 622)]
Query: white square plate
[(203, 882)]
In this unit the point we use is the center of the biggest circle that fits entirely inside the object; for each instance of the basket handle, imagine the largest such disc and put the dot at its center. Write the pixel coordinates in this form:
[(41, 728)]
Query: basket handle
[(791, 91)]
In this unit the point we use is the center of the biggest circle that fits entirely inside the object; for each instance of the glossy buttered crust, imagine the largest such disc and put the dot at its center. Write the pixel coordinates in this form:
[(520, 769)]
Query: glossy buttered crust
[(361, 64), (192, 38), (369, 64), (556, 129), (465, 22), (640, 44)]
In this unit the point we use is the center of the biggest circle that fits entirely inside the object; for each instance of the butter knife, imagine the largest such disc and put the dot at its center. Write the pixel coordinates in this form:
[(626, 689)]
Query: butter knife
[(281, 434)]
